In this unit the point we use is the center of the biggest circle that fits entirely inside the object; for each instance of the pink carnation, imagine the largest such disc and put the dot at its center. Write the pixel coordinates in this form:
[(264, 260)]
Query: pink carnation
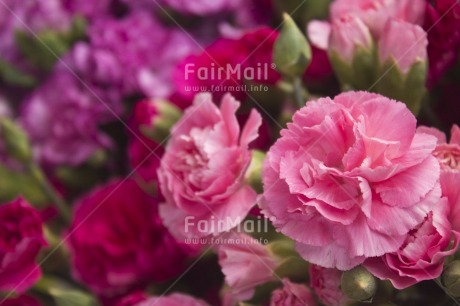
[(245, 264), (448, 155), (326, 284), (202, 171), (21, 239), (354, 172), (292, 294), (422, 255)]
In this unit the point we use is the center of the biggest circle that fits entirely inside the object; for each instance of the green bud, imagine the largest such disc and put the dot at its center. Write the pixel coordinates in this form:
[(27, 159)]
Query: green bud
[(450, 278), (254, 173), (358, 284), (360, 73), (291, 52), (167, 115), (408, 88), (16, 141)]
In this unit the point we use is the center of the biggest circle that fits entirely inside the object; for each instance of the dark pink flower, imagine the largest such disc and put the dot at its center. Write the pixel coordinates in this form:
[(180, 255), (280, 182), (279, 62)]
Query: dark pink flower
[(422, 255), (23, 300), (442, 23), (202, 173), (118, 242), (353, 171), (131, 299), (253, 51), (21, 239), (326, 284)]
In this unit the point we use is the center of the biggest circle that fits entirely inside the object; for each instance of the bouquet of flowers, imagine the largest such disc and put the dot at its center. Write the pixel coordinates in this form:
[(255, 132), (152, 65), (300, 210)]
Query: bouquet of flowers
[(229, 152)]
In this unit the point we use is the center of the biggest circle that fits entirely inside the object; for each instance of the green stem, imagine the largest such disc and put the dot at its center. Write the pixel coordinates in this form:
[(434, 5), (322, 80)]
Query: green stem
[(48, 189), (298, 92)]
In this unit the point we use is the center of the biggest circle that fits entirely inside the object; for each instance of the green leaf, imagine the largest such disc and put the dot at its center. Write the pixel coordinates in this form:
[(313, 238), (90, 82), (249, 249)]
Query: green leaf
[(14, 184), (63, 293), (44, 49), (13, 76)]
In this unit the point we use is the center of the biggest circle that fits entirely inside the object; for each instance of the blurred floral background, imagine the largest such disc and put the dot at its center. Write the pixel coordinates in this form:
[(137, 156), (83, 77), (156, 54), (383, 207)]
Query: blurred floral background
[(126, 123)]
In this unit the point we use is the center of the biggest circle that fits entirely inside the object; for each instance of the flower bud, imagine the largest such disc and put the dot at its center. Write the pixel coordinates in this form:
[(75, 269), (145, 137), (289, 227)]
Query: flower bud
[(254, 172), (403, 63), (351, 52), (404, 44), (291, 52), (156, 117), (16, 141), (450, 278), (358, 284)]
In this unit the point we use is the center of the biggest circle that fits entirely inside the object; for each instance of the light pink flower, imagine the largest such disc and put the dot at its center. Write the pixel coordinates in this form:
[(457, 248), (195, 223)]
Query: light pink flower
[(326, 284), (202, 171), (318, 32), (245, 264), (176, 299), (422, 255), (448, 155), (376, 13), (348, 34), (404, 43), (353, 172), (292, 294)]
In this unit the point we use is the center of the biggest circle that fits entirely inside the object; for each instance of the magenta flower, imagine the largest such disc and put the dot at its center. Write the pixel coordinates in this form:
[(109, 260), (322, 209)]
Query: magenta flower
[(23, 300), (202, 171), (118, 242), (354, 172), (404, 43), (21, 239), (246, 264), (251, 52), (442, 22), (423, 253), (326, 284), (292, 294)]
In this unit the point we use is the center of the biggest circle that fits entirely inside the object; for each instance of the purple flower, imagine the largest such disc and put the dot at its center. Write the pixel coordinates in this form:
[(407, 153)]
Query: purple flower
[(134, 54), (27, 15), (62, 117)]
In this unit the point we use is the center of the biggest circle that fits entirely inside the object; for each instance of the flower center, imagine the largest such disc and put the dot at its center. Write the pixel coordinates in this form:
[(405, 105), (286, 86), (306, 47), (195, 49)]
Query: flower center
[(448, 156)]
